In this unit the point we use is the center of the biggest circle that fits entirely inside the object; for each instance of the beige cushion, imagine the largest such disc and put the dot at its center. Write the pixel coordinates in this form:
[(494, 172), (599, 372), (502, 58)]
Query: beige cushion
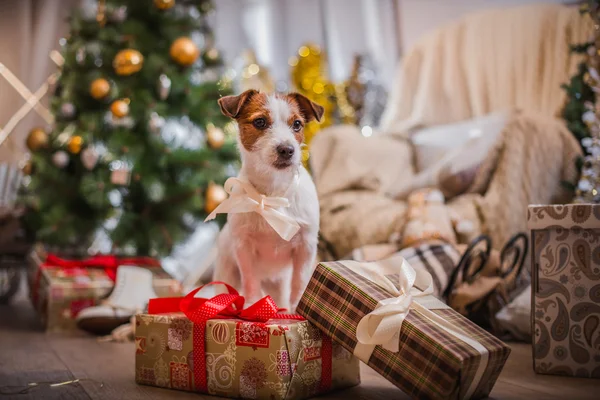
[(447, 157)]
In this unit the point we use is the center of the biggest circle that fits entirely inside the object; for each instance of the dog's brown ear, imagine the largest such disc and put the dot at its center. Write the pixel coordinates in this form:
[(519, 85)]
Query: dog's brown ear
[(309, 109), (231, 105)]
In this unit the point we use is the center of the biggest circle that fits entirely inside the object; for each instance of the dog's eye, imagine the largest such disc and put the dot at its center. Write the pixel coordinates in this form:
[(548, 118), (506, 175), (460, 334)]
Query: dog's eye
[(259, 123), (297, 125)]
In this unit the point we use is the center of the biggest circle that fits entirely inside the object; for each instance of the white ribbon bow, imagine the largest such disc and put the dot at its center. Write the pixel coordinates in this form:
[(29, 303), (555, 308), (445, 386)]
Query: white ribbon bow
[(248, 199), (382, 325)]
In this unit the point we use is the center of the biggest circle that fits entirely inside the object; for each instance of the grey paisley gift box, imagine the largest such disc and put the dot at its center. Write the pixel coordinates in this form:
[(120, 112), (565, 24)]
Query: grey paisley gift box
[(566, 289)]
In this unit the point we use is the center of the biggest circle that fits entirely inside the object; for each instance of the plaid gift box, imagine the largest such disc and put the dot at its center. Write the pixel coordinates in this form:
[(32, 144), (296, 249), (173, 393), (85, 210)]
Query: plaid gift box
[(425, 348), (565, 254), (252, 353), (59, 292)]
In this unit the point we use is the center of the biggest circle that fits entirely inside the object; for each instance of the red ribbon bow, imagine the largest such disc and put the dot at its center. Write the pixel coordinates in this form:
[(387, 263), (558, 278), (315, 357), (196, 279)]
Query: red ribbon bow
[(110, 263), (227, 305)]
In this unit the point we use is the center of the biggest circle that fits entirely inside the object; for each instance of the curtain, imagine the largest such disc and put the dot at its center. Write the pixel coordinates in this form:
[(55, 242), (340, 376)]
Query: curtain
[(29, 30), (275, 29)]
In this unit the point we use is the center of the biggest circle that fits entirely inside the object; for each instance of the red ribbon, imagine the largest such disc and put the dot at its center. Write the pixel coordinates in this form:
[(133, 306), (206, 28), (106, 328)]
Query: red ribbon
[(109, 263), (228, 305)]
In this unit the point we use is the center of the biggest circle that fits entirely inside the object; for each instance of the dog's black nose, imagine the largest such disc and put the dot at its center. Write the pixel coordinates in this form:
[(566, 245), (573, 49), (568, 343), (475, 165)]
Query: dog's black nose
[(285, 151)]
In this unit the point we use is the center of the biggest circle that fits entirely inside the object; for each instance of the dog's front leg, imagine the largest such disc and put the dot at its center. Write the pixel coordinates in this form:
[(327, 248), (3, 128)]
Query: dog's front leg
[(303, 259), (251, 285)]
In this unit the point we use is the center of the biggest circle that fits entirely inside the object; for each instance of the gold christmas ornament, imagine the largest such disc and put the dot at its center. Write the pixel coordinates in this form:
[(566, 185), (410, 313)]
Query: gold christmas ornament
[(215, 137), (99, 88), (215, 194), (74, 144), (27, 168), (128, 61), (184, 51), (120, 108), (164, 4), (37, 139)]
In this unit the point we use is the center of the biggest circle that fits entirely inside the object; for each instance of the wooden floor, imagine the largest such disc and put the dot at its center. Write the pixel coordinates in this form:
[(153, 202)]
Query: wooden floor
[(106, 370)]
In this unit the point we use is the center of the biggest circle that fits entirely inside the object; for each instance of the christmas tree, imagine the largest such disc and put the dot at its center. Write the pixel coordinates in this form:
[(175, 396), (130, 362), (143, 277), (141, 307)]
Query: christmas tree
[(582, 112), (139, 148)]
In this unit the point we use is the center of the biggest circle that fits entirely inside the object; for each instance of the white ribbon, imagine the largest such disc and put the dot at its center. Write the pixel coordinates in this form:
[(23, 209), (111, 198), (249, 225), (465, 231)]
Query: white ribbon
[(382, 325), (243, 198)]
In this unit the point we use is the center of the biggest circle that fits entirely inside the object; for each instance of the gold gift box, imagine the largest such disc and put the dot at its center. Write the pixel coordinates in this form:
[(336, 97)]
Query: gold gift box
[(280, 359)]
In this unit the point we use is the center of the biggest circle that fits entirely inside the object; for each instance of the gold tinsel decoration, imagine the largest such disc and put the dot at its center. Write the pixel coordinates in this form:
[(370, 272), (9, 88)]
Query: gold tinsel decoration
[(99, 88), (215, 194), (128, 62), (164, 4), (37, 139), (74, 144), (309, 77), (350, 95), (120, 108), (184, 51)]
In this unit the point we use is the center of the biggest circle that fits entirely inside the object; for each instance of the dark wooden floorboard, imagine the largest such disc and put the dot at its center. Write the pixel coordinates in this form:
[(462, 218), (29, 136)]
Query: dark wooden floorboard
[(107, 369)]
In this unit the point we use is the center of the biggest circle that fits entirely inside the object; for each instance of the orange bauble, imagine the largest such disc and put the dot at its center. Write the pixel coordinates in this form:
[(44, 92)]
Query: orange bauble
[(74, 144), (120, 108), (164, 4), (99, 88), (37, 139), (184, 51), (128, 61), (215, 194), (215, 137)]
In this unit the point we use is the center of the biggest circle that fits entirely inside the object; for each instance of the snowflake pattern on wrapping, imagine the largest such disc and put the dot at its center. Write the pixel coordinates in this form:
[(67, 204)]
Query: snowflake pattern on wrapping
[(183, 326), (181, 376), (155, 345), (146, 376), (252, 334), (254, 372), (174, 339)]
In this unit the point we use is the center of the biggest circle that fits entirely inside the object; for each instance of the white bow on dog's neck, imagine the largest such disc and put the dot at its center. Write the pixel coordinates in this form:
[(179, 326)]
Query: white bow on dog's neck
[(248, 199)]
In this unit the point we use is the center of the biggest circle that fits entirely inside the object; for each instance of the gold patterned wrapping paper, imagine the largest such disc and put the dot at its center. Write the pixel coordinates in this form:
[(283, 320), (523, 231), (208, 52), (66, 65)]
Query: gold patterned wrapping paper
[(280, 359), (59, 295), (566, 289)]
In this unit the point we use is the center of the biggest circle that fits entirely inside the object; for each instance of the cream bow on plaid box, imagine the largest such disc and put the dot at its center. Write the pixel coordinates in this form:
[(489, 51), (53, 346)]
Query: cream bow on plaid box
[(243, 198), (382, 326)]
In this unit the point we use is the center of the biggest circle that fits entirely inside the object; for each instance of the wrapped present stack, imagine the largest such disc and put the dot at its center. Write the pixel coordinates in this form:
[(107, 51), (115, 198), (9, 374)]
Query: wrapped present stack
[(61, 288), (566, 289), (383, 312), (217, 346)]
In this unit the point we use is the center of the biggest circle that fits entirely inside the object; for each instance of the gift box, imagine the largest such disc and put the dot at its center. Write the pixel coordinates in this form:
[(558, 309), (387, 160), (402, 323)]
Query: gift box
[(59, 289), (384, 313), (256, 353), (566, 289)]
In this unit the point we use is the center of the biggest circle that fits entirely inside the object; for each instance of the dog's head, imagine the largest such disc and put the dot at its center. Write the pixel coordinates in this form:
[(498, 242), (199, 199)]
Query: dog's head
[(271, 127)]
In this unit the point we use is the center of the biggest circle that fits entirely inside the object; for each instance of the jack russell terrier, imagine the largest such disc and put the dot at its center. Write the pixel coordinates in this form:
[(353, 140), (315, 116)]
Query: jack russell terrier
[(269, 243)]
